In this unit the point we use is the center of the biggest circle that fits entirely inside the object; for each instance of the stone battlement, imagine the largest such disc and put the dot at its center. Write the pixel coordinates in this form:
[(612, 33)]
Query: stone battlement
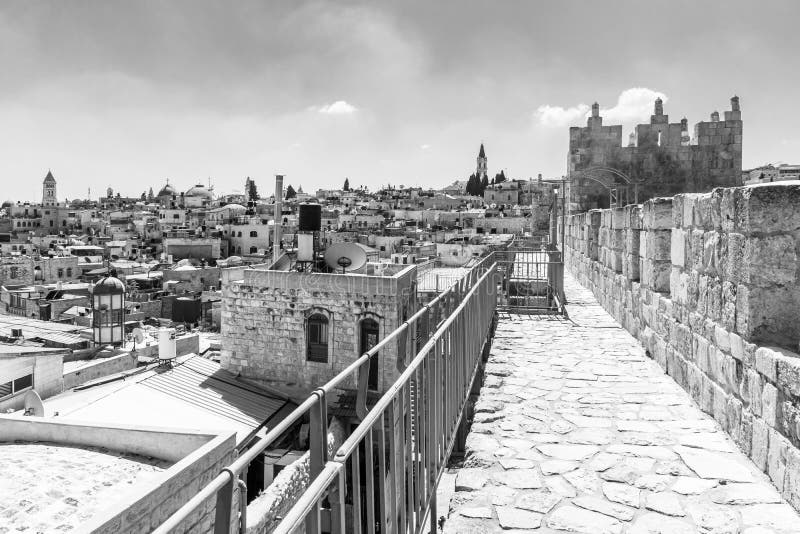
[(709, 284)]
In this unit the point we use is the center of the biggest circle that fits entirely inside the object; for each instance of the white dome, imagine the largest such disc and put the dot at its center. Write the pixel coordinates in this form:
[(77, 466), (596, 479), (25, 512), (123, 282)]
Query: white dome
[(200, 191)]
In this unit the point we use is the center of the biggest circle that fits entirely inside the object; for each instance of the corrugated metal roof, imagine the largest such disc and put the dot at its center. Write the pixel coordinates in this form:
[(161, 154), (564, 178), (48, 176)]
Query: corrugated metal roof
[(203, 383), (62, 338), (33, 327)]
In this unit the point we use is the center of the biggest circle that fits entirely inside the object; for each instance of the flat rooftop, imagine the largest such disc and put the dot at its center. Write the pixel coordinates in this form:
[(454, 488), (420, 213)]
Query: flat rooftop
[(82, 481)]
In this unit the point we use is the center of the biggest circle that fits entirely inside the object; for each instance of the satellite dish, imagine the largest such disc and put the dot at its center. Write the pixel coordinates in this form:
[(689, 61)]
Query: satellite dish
[(138, 335), (33, 404), (345, 257), (493, 205)]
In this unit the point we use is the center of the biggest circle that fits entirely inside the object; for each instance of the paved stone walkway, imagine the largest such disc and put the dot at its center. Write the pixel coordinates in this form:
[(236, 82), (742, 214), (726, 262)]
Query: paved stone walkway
[(577, 430)]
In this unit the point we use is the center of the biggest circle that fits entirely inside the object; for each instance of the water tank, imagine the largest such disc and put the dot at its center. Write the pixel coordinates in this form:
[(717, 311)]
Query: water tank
[(166, 343), (310, 217)]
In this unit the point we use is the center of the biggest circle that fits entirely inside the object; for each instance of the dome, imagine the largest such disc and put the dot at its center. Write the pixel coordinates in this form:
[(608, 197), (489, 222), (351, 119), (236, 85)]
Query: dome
[(167, 191), (109, 286), (200, 191)]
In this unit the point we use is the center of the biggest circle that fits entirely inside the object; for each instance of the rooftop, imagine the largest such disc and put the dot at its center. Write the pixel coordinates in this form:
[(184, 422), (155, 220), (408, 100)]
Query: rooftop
[(84, 479)]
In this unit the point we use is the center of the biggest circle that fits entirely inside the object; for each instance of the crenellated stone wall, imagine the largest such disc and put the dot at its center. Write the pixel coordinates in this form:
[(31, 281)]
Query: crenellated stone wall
[(710, 284)]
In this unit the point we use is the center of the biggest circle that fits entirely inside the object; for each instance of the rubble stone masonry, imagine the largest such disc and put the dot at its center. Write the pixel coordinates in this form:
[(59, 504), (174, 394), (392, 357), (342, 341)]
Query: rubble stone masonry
[(710, 285), (264, 318)]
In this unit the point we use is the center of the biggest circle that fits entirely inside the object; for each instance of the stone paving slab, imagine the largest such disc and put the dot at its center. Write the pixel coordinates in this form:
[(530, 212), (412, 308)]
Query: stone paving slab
[(577, 430)]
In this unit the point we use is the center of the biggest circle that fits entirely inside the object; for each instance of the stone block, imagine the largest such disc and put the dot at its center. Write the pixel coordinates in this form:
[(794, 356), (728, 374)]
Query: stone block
[(768, 315), (703, 211), (655, 274), (711, 244), (769, 260), (716, 208), (618, 219), (768, 208), (657, 214), (657, 245), (728, 209), (690, 201), (769, 405), (788, 373), (678, 248), (632, 241), (678, 285), (776, 458), (760, 444), (634, 216), (731, 254), (677, 210)]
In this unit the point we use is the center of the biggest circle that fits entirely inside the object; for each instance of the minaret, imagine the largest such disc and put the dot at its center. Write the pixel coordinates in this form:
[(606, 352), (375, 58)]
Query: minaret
[(482, 168), (49, 190)]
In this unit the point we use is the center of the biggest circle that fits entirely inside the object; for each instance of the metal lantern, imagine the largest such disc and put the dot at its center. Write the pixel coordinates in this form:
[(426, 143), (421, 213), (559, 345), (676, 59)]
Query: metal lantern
[(108, 311)]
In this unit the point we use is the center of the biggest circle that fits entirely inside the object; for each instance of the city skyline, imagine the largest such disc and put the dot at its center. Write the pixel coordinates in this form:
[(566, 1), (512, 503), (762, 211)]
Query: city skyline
[(380, 93)]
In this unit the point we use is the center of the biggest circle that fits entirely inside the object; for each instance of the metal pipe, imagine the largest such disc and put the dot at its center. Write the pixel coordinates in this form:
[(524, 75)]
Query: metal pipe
[(276, 243), (242, 506)]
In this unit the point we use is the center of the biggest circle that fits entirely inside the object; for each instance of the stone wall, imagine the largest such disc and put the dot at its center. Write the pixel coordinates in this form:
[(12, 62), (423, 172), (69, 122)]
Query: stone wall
[(264, 317), (709, 284)]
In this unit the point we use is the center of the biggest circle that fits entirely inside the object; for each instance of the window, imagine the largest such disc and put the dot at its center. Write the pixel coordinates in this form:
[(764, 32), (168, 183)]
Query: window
[(253, 233), (17, 385), (317, 332), (69, 271), (175, 216), (239, 234), (60, 272), (14, 272), (253, 250)]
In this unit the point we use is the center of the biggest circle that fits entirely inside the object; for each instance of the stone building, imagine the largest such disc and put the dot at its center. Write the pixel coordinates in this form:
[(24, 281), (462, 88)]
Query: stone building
[(661, 158), (298, 330)]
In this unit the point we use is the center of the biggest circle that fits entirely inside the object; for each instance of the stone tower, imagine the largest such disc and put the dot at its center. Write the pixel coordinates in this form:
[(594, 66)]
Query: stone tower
[(49, 190), (482, 167)]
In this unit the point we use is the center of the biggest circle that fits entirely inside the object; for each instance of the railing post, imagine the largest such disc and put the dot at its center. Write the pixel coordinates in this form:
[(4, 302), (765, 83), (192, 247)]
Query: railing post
[(318, 449), (222, 515)]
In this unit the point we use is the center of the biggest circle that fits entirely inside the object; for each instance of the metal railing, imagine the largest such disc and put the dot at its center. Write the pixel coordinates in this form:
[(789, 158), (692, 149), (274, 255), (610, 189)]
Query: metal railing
[(532, 280), (384, 476), (455, 317)]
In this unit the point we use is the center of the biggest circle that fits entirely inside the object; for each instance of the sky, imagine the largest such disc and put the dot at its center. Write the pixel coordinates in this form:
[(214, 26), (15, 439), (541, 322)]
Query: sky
[(127, 95)]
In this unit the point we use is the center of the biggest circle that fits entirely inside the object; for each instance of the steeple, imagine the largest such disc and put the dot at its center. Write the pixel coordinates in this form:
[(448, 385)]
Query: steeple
[(49, 190), (482, 166)]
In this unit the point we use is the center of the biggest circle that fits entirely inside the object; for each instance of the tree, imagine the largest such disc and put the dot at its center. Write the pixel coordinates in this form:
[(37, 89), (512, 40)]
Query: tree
[(473, 186), (346, 184), (150, 194), (144, 196), (290, 192), (252, 191), (500, 177), (484, 184)]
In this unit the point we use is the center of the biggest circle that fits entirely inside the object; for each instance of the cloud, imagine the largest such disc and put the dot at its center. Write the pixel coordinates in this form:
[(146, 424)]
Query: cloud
[(557, 116), (634, 104), (340, 107), (425, 146)]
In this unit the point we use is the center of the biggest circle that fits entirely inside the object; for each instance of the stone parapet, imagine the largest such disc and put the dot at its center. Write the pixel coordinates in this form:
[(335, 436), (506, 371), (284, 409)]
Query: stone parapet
[(709, 284)]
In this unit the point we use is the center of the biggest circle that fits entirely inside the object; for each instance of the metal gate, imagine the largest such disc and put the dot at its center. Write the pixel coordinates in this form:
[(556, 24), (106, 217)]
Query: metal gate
[(532, 280)]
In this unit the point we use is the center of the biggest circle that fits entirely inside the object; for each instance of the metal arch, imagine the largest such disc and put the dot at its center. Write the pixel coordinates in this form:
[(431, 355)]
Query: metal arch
[(616, 172), (589, 173)]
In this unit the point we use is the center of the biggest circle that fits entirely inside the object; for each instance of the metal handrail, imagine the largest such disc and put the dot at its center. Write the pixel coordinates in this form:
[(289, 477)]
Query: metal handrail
[(315, 405), (444, 390)]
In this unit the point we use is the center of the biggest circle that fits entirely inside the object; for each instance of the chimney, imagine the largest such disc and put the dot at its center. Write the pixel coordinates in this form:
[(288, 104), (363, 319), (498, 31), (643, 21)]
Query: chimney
[(276, 244)]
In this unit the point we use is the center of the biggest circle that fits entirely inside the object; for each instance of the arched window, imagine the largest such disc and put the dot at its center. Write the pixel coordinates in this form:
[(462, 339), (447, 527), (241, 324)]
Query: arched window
[(239, 234), (253, 233), (317, 335)]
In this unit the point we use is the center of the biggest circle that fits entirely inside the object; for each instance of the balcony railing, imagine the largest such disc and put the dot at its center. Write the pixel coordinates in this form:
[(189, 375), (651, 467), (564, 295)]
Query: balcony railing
[(445, 338)]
